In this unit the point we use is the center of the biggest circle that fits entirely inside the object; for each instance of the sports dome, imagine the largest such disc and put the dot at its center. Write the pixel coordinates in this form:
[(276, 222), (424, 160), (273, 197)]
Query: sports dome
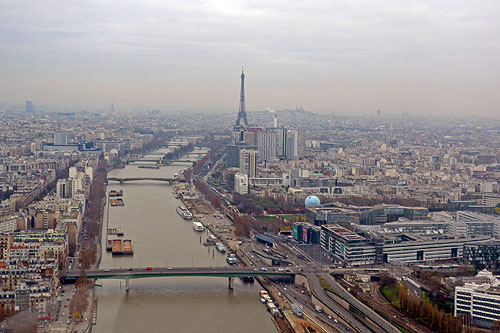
[(312, 201)]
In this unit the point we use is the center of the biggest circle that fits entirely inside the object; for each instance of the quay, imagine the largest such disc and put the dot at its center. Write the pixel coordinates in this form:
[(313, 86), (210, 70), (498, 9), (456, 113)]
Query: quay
[(94, 310)]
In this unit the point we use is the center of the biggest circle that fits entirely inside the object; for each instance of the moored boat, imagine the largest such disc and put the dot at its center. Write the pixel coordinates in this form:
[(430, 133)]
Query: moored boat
[(117, 247), (197, 226), (186, 214), (220, 247), (127, 247), (231, 259)]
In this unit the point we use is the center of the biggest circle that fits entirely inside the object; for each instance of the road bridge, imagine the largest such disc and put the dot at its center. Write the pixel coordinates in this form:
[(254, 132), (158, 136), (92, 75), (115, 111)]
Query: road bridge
[(133, 179), (158, 153), (141, 273), (145, 160), (158, 161)]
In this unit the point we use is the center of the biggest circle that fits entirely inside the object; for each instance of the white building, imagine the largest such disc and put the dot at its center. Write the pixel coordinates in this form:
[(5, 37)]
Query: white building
[(241, 183), (295, 144), (480, 301), (60, 139), (72, 172), (77, 183), (248, 162), (268, 144), (63, 188), (89, 171)]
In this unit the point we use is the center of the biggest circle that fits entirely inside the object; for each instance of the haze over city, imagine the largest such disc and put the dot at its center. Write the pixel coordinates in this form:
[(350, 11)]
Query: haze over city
[(330, 57)]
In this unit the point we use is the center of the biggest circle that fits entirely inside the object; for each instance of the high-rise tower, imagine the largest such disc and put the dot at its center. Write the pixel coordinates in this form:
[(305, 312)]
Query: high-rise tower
[(242, 112)]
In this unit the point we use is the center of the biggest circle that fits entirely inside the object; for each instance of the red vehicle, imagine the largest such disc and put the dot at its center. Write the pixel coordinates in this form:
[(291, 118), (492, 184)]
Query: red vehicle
[(149, 268)]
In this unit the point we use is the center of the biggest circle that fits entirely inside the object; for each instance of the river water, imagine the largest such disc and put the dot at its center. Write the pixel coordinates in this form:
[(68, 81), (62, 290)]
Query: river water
[(160, 237)]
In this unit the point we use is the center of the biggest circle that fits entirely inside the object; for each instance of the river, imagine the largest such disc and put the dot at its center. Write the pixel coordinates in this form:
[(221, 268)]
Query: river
[(160, 237)]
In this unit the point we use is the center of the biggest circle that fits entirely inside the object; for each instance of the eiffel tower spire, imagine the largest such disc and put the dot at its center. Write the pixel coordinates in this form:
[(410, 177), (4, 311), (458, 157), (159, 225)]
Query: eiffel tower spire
[(242, 112)]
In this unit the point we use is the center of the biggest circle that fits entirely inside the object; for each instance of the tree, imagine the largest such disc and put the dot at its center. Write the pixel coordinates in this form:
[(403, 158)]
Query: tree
[(80, 301), (495, 327), (242, 225), (23, 322), (87, 258), (3, 313), (387, 280)]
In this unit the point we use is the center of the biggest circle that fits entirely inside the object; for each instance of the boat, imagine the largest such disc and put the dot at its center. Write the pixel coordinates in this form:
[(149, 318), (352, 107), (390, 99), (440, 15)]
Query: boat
[(186, 214), (197, 226), (117, 247), (115, 231), (109, 245), (231, 259), (263, 300), (211, 240), (127, 247), (220, 247), (177, 196)]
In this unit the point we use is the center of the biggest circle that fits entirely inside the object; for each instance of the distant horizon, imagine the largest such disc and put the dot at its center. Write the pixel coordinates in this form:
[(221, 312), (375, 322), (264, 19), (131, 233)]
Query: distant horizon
[(338, 57), (55, 108)]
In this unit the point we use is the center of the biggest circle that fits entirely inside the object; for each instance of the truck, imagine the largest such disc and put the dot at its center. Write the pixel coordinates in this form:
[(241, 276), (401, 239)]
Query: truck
[(297, 309), (318, 308)]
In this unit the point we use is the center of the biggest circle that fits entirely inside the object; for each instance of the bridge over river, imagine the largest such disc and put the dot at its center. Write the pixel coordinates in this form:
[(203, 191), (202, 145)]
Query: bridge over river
[(122, 180), (141, 273)]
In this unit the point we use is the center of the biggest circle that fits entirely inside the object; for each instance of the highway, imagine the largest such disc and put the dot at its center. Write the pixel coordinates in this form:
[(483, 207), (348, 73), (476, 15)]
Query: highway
[(317, 290), (353, 301), (319, 293)]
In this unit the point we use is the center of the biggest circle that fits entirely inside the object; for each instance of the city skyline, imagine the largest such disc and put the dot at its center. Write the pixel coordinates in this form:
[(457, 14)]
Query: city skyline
[(344, 58)]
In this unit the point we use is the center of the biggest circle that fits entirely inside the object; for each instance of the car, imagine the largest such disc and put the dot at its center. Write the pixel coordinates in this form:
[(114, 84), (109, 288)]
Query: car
[(264, 269), (130, 269), (279, 294), (106, 270), (302, 291), (149, 268), (169, 268), (335, 320), (255, 269), (284, 288)]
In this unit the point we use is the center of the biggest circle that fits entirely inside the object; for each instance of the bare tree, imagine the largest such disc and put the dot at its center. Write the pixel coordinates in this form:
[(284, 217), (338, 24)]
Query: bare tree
[(23, 322)]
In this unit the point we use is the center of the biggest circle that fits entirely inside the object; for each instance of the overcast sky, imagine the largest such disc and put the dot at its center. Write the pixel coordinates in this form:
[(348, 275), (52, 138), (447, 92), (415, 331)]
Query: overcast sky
[(432, 57)]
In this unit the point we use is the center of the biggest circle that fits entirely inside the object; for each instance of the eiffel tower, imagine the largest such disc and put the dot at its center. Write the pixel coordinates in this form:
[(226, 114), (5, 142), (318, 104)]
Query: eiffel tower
[(242, 113)]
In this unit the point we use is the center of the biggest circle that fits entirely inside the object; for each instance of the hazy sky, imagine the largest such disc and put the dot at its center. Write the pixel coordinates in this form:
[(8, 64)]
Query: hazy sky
[(350, 56)]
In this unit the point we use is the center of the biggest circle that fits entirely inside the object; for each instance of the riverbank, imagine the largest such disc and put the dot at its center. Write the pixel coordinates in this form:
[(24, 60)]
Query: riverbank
[(222, 228), (162, 238)]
